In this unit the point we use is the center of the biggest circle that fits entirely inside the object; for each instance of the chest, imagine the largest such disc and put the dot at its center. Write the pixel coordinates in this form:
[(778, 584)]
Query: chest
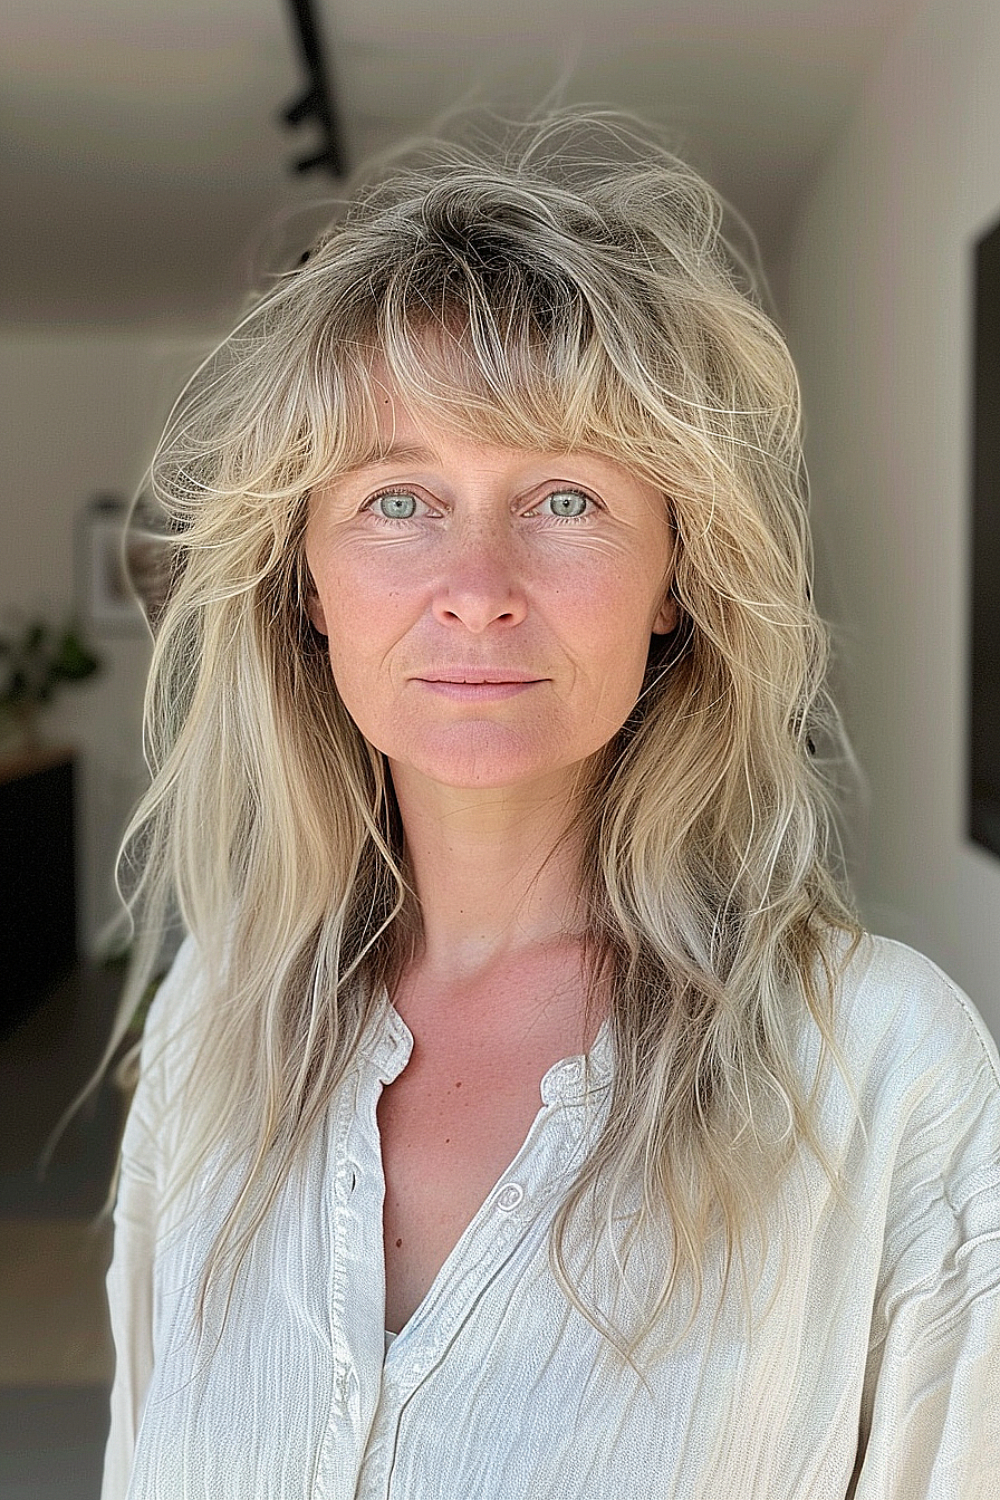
[(501, 1393), (458, 1114), (449, 1126)]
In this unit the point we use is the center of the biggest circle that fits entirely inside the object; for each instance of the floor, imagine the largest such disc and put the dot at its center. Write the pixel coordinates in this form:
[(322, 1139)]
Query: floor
[(56, 1359)]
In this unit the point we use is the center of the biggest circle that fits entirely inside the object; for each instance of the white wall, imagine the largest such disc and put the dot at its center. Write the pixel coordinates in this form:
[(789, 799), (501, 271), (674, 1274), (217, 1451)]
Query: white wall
[(80, 414), (879, 315)]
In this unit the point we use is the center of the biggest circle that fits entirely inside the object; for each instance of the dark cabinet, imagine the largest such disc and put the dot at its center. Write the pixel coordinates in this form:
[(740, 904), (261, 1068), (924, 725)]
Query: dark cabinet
[(37, 879)]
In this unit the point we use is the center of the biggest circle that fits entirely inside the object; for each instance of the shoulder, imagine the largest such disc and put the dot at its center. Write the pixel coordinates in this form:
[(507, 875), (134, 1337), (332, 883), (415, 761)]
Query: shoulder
[(168, 1035), (917, 1053), (889, 996), (164, 1064)]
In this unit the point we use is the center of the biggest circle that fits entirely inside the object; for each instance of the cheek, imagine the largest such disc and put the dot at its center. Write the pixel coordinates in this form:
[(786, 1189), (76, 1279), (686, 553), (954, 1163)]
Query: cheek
[(627, 634), (614, 619), (364, 622), (344, 598)]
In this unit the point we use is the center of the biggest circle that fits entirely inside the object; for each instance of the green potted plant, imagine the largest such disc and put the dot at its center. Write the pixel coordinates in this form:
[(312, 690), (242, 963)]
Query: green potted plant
[(35, 660)]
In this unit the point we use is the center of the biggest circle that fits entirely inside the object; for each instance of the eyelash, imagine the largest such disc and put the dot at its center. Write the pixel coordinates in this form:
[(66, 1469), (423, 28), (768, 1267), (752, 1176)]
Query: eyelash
[(372, 501), (568, 489)]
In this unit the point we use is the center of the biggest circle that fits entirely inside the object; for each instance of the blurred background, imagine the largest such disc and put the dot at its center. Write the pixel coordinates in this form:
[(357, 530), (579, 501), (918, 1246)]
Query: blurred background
[(149, 180)]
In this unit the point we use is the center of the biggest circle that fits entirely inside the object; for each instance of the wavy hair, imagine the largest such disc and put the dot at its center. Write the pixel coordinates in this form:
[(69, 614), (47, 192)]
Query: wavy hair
[(566, 288)]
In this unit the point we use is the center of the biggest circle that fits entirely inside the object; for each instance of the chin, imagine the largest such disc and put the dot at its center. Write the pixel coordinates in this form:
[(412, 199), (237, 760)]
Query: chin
[(477, 758)]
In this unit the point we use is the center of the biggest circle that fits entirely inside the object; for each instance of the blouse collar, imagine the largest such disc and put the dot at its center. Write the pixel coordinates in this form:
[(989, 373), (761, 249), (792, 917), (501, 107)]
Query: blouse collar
[(388, 1043)]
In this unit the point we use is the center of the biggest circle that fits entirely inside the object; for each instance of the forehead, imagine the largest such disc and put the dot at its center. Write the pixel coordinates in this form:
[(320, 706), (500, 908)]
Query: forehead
[(432, 391), (401, 426), (433, 379), (408, 436)]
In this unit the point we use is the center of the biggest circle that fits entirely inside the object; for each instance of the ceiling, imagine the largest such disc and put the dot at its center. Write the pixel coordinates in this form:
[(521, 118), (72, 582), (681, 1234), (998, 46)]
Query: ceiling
[(146, 173)]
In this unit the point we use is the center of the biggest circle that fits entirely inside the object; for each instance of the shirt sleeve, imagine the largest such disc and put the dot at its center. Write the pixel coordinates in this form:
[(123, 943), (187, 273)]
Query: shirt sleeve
[(930, 1420), (130, 1276)]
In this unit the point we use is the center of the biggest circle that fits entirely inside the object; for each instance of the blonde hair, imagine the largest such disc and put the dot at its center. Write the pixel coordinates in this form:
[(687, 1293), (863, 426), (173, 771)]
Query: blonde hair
[(567, 288)]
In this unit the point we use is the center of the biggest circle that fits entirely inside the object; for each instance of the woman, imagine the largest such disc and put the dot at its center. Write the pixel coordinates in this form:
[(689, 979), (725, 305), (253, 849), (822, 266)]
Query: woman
[(525, 1114)]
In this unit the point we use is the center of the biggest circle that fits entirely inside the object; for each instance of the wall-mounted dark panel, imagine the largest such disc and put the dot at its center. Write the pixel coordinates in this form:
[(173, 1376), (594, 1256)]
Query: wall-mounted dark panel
[(984, 682), (37, 885)]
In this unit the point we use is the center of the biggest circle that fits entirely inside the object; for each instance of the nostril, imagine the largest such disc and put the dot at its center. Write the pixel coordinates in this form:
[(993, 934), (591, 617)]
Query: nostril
[(479, 614)]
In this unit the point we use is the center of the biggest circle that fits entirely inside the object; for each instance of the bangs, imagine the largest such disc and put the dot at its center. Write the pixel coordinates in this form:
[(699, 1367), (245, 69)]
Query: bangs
[(494, 348)]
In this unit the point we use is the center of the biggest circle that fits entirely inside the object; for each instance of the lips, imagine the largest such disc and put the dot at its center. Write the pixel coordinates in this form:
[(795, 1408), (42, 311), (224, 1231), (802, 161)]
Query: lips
[(479, 675), (477, 686)]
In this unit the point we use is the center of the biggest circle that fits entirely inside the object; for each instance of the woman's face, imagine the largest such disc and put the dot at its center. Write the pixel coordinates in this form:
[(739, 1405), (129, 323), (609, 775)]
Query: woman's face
[(488, 609)]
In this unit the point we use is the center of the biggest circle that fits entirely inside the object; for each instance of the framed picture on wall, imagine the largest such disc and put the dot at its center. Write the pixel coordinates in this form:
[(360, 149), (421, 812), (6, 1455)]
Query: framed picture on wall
[(107, 600)]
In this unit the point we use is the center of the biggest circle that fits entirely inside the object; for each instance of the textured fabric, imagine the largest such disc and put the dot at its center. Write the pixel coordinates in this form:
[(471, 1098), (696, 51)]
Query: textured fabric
[(874, 1372)]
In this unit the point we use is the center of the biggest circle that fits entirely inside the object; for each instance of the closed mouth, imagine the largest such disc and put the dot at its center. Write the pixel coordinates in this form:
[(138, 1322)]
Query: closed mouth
[(480, 677)]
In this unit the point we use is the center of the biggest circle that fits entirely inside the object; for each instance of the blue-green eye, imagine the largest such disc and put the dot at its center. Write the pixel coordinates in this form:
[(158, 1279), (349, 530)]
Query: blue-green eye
[(567, 503), (396, 506)]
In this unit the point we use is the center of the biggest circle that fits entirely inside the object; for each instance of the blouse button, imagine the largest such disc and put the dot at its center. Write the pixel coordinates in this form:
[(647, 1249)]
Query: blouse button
[(509, 1196)]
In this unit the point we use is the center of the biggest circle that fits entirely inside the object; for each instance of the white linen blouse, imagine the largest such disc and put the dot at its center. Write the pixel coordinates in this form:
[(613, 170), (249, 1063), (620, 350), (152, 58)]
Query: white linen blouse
[(874, 1374)]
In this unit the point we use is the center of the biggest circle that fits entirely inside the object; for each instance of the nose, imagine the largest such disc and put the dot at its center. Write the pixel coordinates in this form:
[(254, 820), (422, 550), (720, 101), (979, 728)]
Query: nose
[(480, 584)]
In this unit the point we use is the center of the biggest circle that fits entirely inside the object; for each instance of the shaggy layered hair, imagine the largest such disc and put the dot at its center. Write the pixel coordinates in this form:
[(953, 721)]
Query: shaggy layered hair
[(568, 289)]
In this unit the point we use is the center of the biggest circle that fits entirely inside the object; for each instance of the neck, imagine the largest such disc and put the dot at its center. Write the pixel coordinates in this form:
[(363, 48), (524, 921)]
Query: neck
[(497, 872)]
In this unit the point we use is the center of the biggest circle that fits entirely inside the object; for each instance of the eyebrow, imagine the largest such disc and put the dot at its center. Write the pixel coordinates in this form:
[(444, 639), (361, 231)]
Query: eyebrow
[(397, 453)]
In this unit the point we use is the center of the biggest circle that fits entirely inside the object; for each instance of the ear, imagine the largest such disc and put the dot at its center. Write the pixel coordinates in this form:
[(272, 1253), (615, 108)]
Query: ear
[(314, 610), (666, 616)]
